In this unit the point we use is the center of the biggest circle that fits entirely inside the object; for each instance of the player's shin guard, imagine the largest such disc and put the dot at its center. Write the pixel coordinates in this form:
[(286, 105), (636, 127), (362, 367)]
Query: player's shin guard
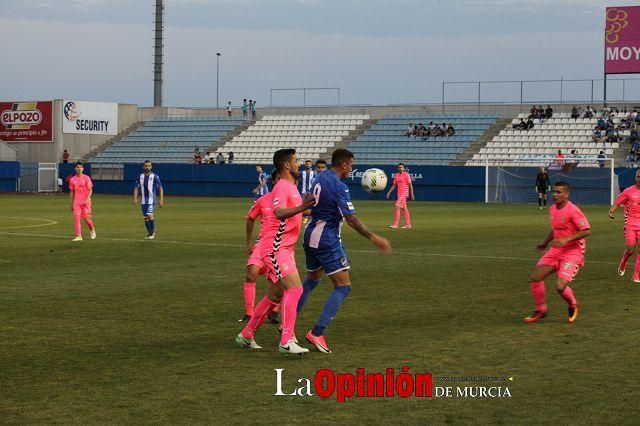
[(396, 218), (260, 314), (78, 225), (539, 294), (249, 297), (567, 295), (307, 287), (407, 217), (288, 313), (330, 309)]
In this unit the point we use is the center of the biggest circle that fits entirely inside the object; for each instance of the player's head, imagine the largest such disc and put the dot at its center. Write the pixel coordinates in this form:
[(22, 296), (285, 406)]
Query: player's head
[(146, 166), (285, 161), (561, 191), (259, 168), (542, 169), (321, 165), (638, 177), (274, 177), (342, 162), (400, 167), (307, 164), (79, 168)]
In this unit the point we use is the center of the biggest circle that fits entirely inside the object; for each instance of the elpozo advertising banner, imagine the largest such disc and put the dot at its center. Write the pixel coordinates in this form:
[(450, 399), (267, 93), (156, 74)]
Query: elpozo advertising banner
[(30, 121), (89, 118), (622, 40)]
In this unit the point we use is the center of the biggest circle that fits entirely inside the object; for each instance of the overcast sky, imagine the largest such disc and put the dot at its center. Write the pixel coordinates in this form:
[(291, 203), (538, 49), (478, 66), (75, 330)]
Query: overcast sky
[(375, 51)]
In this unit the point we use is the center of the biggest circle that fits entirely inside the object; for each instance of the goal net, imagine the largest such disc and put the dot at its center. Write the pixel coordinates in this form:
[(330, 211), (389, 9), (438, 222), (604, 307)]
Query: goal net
[(592, 180)]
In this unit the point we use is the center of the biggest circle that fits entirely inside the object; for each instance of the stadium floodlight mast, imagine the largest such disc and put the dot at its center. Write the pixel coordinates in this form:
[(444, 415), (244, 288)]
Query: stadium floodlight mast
[(218, 54)]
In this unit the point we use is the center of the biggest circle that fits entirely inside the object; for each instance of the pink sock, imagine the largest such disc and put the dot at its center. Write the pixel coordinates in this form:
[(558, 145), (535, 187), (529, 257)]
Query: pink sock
[(637, 267), (249, 297), (625, 259), (78, 225), (407, 218), (396, 219), (261, 312), (289, 313), (538, 292), (567, 295), (89, 223)]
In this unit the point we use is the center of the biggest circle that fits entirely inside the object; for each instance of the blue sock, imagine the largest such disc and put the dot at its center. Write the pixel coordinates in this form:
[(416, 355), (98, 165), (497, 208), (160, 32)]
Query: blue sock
[(146, 225), (330, 309), (152, 226), (307, 287)]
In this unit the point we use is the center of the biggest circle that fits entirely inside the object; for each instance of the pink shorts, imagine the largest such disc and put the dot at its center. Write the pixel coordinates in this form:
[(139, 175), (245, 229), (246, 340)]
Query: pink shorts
[(279, 264), (255, 259), (566, 262), (401, 202), (82, 210), (631, 236)]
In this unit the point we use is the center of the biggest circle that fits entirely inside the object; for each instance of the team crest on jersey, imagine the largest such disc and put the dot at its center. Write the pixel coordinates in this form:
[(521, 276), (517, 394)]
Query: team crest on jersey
[(285, 266), (276, 201), (568, 264)]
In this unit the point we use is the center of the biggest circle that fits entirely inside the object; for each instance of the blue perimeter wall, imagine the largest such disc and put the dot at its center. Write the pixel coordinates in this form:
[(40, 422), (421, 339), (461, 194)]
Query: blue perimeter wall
[(433, 183), (9, 174)]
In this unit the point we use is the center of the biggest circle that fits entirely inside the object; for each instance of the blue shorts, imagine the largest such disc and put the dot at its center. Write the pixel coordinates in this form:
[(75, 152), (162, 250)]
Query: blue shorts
[(147, 209), (331, 260)]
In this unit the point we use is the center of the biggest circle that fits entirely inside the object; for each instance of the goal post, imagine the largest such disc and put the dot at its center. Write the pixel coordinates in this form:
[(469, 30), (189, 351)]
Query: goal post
[(593, 180)]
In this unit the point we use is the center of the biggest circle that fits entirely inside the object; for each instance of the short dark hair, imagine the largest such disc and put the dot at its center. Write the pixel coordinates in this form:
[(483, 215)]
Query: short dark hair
[(321, 161), (282, 156), (307, 161), (146, 161), (274, 175), (340, 156), (79, 163), (565, 185), (400, 164)]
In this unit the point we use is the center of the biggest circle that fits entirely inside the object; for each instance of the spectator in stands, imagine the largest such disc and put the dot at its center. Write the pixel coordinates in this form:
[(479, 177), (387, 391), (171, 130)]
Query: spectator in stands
[(197, 158), (450, 130), (443, 129), (571, 161), (230, 157), (410, 130), (574, 113), (433, 129), (252, 109), (630, 159), (207, 157), (212, 159), (635, 146), (634, 133), (521, 126), (597, 135), (606, 111), (229, 109), (60, 184), (65, 156), (601, 157), (220, 158), (588, 113), (529, 124), (548, 112), (600, 124), (533, 112), (244, 108), (559, 158), (196, 150)]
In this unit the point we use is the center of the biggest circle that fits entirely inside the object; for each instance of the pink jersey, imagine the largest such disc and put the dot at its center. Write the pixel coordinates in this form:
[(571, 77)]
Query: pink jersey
[(566, 222), (630, 198), (263, 208), (282, 234), (80, 185), (402, 181)]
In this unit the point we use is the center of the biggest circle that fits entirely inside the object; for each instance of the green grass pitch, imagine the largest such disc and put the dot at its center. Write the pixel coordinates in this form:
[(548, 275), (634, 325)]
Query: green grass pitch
[(122, 330)]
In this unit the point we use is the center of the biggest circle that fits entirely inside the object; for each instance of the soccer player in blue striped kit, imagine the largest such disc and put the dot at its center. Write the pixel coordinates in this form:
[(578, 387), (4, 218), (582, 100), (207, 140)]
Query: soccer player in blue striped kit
[(148, 187)]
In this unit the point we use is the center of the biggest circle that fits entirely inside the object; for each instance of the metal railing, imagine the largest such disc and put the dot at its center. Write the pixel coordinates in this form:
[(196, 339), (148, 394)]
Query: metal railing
[(304, 91)]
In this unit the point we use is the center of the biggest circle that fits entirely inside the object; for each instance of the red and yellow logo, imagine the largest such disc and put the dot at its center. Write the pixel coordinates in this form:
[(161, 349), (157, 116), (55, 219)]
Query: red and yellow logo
[(617, 20)]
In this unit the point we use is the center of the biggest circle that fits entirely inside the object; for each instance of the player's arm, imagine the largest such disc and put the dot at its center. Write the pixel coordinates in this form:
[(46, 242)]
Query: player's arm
[(613, 209), (382, 243), (578, 235), (72, 194), (543, 245), (391, 190), (88, 200), (161, 203), (283, 213), (413, 198), (135, 196), (249, 233)]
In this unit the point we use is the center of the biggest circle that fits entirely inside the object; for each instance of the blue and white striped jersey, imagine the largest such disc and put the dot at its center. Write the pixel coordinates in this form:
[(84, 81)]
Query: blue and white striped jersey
[(306, 179), (148, 186), (265, 188)]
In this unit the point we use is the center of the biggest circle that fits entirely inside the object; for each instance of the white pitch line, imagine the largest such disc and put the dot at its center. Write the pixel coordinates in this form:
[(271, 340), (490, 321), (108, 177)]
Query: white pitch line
[(49, 222), (193, 243)]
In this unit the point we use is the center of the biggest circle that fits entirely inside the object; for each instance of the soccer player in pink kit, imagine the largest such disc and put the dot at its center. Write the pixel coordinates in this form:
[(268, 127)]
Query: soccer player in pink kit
[(280, 239), (569, 229), (630, 198), (80, 190), (263, 209), (402, 181)]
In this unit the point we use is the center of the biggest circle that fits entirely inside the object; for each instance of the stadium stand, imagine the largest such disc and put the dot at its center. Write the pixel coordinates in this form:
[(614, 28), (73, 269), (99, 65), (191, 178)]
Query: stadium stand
[(386, 141), (512, 147), (168, 140), (313, 136)]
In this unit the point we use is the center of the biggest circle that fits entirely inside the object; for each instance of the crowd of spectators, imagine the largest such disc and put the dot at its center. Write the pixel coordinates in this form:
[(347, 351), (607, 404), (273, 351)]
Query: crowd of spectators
[(539, 113), (211, 158), (433, 129)]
